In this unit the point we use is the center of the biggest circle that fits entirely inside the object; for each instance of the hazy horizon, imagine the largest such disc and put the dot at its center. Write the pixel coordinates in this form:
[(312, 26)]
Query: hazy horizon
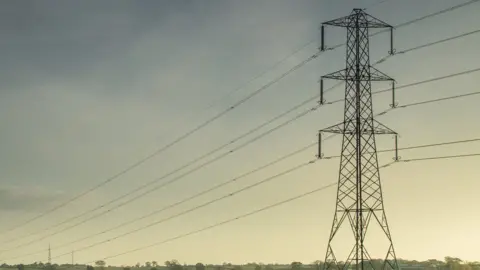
[(90, 87)]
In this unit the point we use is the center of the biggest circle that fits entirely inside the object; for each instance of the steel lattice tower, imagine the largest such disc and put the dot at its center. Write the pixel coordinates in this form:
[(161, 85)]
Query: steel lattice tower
[(49, 255), (359, 194)]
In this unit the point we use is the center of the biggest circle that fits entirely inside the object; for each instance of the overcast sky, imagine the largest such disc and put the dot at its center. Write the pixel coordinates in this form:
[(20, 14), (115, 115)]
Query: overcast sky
[(90, 87)]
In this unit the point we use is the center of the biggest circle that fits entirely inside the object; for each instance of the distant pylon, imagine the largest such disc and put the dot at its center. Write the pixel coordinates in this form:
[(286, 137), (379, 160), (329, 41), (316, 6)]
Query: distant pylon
[(49, 255), (359, 194)]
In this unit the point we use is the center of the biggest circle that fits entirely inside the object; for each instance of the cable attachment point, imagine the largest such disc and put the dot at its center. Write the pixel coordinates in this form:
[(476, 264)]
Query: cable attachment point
[(322, 38), (394, 103), (397, 157), (322, 100), (392, 50), (320, 154)]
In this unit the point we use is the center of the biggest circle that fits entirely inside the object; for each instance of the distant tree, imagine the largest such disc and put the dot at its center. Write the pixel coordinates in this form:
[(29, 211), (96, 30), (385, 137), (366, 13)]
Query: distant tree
[(199, 266), (173, 265), (296, 265), (126, 268), (474, 265), (148, 264), (317, 264), (453, 263), (137, 265), (89, 267), (100, 263), (21, 267), (269, 267), (258, 267), (154, 263)]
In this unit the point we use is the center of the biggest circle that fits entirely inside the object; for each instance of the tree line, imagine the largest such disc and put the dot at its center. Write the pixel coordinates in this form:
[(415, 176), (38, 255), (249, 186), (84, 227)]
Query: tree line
[(449, 263)]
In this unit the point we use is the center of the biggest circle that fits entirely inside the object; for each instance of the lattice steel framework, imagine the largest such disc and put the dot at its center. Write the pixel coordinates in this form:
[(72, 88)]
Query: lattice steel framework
[(359, 194)]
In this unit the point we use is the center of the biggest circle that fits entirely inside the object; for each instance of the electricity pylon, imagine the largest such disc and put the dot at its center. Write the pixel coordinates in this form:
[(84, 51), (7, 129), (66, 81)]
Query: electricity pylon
[(49, 255), (359, 193)]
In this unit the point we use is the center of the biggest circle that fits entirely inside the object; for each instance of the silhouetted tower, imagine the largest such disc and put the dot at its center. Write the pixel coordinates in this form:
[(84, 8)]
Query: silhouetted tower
[(359, 194), (49, 255)]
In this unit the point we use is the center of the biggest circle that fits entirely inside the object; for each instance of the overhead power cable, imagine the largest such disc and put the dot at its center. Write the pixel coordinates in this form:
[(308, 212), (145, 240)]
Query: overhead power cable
[(193, 161), (234, 179), (229, 220), (168, 146), (295, 168), (440, 99), (441, 41), (448, 76), (207, 122), (302, 149), (452, 8), (195, 208), (265, 209), (253, 130), (420, 146), (410, 22), (237, 178), (274, 66), (441, 157), (175, 179), (277, 64), (376, 4), (137, 197)]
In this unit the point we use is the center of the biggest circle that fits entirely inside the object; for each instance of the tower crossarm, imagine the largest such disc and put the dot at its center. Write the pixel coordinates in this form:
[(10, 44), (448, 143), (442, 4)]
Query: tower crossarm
[(364, 21), (347, 128), (346, 75)]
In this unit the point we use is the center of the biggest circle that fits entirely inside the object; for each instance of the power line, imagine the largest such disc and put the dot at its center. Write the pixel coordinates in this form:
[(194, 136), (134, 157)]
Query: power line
[(261, 74), (263, 209), (123, 197), (206, 123), (420, 146), (274, 66), (448, 76), (405, 51), (452, 8), (235, 179), (295, 168), (181, 176), (440, 99), (302, 149), (211, 161), (441, 157), (433, 43), (163, 177), (193, 161), (410, 22), (164, 148), (376, 4), (241, 190), (441, 41), (195, 208), (223, 222)]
